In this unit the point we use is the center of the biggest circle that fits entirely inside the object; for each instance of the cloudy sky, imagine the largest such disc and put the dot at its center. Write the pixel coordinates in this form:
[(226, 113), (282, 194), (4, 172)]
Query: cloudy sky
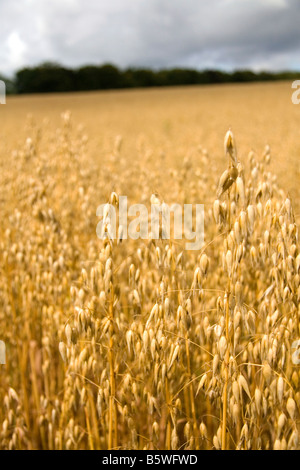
[(227, 34)]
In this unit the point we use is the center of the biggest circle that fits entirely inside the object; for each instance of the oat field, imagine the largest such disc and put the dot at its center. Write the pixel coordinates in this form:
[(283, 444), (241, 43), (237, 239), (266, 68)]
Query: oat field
[(140, 344)]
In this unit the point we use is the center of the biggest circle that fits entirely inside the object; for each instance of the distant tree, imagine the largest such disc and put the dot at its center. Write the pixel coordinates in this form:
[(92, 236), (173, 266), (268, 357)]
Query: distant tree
[(110, 77), (243, 76), (215, 76), (140, 77), (180, 76), (87, 78), (52, 77), (9, 84), (47, 77), (266, 76), (162, 78), (102, 77)]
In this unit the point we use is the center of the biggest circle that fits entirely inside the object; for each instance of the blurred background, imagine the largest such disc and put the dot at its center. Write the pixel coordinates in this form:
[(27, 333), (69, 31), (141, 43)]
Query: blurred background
[(79, 45)]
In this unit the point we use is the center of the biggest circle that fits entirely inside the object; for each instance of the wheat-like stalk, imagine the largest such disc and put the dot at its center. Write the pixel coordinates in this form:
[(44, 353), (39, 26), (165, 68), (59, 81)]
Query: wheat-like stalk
[(139, 344)]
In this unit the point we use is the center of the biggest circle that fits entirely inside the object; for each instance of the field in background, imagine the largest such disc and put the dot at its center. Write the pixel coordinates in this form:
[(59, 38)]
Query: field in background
[(141, 344), (173, 120)]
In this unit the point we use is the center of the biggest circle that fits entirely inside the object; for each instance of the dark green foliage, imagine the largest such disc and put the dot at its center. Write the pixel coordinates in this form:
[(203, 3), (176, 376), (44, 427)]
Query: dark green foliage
[(52, 77)]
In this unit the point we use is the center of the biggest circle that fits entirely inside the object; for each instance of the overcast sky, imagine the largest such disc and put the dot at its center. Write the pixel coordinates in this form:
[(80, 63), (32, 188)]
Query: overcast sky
[(227, 34)]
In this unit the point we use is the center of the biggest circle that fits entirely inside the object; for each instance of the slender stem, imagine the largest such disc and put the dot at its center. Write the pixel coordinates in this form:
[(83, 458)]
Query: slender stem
[(168, 433), (191, 390), (89, 429), (112, 428), (226, 360), (226, 363)]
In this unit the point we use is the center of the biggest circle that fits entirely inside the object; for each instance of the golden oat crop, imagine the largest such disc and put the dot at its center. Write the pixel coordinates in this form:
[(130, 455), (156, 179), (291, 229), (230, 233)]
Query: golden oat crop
[(141, 344)]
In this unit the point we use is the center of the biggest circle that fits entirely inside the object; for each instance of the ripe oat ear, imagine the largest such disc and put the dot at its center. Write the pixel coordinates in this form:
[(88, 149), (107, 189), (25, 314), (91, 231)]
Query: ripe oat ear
[(2, 353), (226, 181), (230, 146), (141, 344)]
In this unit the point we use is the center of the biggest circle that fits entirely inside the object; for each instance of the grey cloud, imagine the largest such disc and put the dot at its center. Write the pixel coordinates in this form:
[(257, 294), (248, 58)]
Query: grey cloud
[(157, 33)]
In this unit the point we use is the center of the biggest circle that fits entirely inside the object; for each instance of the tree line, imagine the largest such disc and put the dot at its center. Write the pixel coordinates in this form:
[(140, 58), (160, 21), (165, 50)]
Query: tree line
[(52, 77)]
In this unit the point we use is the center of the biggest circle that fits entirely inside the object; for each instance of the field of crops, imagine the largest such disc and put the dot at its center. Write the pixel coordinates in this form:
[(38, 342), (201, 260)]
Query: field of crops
[(141, 344)]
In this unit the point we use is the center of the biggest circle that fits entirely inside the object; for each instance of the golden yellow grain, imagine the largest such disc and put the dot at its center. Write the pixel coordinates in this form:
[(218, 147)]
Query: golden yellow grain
[(139, 344)]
